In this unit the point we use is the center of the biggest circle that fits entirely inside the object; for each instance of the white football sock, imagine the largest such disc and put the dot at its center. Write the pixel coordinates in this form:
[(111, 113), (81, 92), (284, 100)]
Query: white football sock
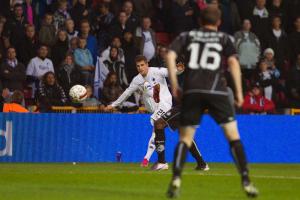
[(151, 147)]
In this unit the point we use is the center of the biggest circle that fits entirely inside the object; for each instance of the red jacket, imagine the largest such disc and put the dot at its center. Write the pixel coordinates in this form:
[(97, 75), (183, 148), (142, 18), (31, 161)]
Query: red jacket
[(257, 104)]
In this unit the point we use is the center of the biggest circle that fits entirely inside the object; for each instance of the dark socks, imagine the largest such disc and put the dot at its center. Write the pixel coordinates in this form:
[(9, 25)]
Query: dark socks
[(238, 154), (160, 140), (179, 159), (196, 154)]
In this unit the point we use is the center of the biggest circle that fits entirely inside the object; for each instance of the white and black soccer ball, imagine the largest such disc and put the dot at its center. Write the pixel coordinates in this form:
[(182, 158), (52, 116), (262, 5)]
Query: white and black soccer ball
[(78, 93)]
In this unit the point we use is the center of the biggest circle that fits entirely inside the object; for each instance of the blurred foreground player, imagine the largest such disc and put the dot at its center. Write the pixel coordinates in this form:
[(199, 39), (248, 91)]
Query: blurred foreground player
[(158, 100), (204, 89)]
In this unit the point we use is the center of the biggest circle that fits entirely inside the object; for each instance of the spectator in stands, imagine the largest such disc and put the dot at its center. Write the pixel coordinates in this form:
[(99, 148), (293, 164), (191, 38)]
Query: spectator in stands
[(231, 21), (73, 45), (145, 39), (28, 46), (47, 31), (293, 85), (277, 40), (133, 20), (90, 101), (245, 8), (60, 48), (29, 12), (70, 28), (183, 16), (61, 14), (292, 7), (268, 56), (12, 72), (145, 7), (80, 12), (4, 96), (69, 74), (277, 9), (260, 21), (50, 93), (248, 48), (267, 77), (256, 103), (116, 42), (130, 52), (91, 40), (102, 20), (160, 15), (15, 26), (15, 105), (38, 66), (160, 59), (121, 26), (294, 41), (111, 89), (114, 64), (2, 43), (84, 59), (5, 7)]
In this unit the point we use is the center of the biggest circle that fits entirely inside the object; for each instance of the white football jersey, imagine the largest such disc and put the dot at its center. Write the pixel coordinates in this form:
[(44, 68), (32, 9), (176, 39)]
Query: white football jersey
[(145, 84)]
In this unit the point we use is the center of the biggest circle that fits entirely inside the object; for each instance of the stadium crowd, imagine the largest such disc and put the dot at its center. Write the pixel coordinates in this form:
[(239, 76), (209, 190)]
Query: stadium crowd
[(47, 46)]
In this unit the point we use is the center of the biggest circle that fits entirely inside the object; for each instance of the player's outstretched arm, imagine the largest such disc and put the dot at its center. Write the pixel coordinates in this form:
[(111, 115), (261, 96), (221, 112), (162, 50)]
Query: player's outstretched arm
[(124, 96), (235, 71), (171, 63)]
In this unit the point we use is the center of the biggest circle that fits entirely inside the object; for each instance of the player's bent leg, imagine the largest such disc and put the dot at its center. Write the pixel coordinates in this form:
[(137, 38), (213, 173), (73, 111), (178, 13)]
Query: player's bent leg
[(185, 142), (150, 150), (239, 156)]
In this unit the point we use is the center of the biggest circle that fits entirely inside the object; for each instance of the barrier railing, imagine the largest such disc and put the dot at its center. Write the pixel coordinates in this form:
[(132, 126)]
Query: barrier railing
[(90, 109), (295, 111)]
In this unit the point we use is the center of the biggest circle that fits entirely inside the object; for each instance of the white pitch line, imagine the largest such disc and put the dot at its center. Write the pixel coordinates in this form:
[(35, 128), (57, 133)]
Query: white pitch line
[(256, 176), (199, 174)]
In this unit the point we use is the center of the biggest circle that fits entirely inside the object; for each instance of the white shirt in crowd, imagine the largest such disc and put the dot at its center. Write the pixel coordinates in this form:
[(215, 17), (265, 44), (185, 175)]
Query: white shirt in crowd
[(149, 49), (38, 67), (145, 84)]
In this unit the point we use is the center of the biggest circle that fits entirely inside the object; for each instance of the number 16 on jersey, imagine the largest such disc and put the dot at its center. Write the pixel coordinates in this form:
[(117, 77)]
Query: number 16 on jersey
[(210, 52)]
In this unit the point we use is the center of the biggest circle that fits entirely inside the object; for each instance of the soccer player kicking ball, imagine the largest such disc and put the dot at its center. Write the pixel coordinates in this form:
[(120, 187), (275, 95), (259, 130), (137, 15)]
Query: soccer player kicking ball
[(157, 99), (204, 89)]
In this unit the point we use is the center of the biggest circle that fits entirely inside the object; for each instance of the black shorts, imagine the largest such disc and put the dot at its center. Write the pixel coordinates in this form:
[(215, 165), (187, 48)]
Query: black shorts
[(194, 105), (172, 117)]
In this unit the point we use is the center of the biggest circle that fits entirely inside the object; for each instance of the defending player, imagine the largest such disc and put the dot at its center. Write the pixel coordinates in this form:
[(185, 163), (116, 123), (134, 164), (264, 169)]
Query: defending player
[(204, 89), (157, 99)]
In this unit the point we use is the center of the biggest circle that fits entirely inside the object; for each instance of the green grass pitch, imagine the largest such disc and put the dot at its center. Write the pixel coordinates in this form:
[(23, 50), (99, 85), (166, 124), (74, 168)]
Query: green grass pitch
[(129, 181)]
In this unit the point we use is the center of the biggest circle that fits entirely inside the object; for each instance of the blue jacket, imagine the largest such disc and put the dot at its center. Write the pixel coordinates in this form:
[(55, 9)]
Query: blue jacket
[(93, 47), (83, 57)]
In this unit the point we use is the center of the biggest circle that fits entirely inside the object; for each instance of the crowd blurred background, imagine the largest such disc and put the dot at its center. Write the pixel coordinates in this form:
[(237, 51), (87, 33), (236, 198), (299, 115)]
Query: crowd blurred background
[(47, 46)]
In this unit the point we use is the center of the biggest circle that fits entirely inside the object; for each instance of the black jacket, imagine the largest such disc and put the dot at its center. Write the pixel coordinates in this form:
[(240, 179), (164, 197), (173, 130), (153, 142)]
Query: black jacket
[(77, 14), (260, 26), (67, 81), (15, 30), (117, 30), (130, 52), (294, 41), (12, 78), (58, 53), (280, 47), (51, 96), (27, 49)]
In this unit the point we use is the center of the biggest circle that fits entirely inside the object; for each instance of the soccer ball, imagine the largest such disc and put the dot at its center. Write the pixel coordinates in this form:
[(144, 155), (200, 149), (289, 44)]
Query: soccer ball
[(78, 93)]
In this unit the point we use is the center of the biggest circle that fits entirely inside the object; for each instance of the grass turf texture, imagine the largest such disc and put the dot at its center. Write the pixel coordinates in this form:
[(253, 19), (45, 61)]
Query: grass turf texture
[(129, 181)]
